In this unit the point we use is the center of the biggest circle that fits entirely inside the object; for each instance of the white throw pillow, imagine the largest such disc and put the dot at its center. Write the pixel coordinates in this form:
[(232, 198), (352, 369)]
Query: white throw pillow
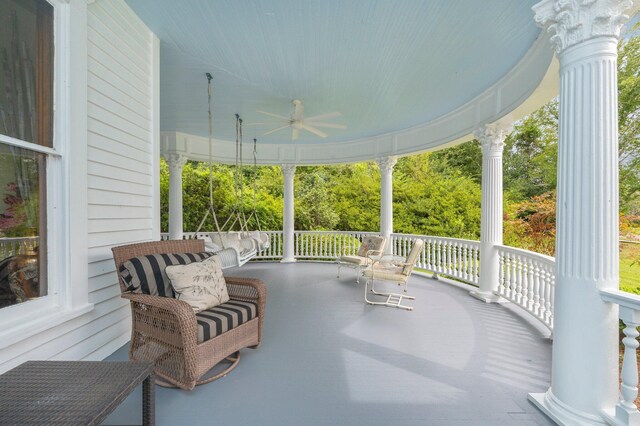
[(200, 284)]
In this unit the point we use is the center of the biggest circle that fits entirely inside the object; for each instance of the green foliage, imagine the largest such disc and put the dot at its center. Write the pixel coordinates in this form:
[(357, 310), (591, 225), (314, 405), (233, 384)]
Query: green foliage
[(356, 190), (465, 158), (531, 224), (314, 200), (344, 197), (195, 184), (629, 123), (531, 154), (432, 202)]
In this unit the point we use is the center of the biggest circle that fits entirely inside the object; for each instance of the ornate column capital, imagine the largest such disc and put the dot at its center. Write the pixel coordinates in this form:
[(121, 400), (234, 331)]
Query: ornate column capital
[(386, 164), (288, 170), (175, 161), (573, 21), (492, 136)]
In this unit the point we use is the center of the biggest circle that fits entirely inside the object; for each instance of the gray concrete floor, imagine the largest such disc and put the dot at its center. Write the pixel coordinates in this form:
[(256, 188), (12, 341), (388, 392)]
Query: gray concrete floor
[(328, 358)]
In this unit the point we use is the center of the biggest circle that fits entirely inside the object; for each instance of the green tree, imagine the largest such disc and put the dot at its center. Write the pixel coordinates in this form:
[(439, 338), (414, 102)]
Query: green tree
[(629, 121), (430, 202), (314, 202), (531, 154)]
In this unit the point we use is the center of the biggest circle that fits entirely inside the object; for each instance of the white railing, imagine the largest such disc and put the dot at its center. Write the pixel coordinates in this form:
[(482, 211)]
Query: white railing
[(528, 280), (327, 245), (14, 246), (626, 411), (456, 258), (275, 249)]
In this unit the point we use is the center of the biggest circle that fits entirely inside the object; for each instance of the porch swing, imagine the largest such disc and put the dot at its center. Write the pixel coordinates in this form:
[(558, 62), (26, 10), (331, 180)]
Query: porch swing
[(235, 248)]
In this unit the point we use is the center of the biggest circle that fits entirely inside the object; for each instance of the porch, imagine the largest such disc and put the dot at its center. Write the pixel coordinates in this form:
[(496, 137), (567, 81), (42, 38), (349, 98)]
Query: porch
[(412, 87), (328, 358)]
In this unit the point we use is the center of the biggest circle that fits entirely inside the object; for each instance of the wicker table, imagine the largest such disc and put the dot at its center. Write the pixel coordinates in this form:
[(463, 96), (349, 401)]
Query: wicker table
[(72, 392)]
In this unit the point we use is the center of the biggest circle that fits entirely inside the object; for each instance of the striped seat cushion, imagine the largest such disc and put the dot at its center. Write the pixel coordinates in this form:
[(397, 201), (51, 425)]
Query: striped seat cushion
[(215, 321), (146, 274)]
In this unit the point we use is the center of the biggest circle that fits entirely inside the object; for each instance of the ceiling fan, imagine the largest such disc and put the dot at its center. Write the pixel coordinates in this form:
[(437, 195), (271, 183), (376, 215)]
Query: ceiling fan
[(297, 122)]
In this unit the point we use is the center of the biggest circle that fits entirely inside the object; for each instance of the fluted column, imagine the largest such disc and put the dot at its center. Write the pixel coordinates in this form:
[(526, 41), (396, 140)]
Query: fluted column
[(386, 165), (175, 163), (288, 253), (491, 136), (585, 348)]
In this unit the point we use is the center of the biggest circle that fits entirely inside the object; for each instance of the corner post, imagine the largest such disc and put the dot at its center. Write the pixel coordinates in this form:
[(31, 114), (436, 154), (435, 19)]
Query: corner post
[(288, 223), (386, 165), (584, 379), (492, 137), (175, 162)]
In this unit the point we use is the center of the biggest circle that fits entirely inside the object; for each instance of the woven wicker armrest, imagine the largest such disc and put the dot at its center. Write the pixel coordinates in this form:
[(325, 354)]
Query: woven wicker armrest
[(246, 288), (166, 314), (250, 289)]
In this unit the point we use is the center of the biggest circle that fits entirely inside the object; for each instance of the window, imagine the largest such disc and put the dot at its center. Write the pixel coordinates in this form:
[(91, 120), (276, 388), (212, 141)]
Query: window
[(26, 146)]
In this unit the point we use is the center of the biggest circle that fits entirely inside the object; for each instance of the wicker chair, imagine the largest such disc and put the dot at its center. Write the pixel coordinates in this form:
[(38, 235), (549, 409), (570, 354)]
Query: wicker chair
[(165, 329)]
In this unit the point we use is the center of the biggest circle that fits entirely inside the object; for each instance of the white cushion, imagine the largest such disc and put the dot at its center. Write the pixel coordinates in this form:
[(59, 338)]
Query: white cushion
[(212, 247), (200, 284), (227, 240)]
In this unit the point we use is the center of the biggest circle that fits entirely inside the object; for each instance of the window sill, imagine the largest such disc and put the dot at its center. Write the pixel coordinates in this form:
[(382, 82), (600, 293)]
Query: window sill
[(53, 316)]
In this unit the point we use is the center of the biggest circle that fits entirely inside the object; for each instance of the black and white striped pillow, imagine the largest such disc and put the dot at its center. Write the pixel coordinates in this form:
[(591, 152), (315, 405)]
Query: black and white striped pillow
[(146, 274)]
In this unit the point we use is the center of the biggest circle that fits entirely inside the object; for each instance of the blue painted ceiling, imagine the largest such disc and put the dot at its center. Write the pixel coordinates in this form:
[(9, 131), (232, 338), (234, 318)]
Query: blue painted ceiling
[(386, 65)]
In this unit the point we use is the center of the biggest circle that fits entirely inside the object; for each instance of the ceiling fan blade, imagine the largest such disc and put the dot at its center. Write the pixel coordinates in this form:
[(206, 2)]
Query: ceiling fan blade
[(323, 116), (295, 134), (314, 131), (275, 130), (261, 123), (281, 117), (329, 125)]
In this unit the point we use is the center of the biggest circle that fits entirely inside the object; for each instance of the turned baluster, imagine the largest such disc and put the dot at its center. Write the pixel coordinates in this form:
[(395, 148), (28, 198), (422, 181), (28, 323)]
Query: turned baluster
[(536, 291), (501, 289), (518, 279), (524, 275), (507, 275), (626, 408)]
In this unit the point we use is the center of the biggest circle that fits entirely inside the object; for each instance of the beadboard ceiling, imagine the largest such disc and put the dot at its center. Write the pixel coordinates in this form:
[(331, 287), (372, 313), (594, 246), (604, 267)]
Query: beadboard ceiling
[(386, 65)]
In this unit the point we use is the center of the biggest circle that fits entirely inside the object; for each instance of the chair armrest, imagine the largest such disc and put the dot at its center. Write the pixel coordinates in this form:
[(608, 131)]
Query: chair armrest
[(252, 290), (170, 323), (178, 312), (374, 262)]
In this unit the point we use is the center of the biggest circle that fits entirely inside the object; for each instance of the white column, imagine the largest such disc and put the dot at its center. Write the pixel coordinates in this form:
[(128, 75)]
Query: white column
[(584, 378), (175, 163), (491, 136), (288, 253), (386, 165)]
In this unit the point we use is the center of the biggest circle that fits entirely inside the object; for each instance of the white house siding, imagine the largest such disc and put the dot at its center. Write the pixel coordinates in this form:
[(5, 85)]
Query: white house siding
[(122, 181), (122, 162)]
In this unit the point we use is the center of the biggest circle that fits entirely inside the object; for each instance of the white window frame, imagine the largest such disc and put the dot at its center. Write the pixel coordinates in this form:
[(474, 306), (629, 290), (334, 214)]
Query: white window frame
[(66, 177)]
